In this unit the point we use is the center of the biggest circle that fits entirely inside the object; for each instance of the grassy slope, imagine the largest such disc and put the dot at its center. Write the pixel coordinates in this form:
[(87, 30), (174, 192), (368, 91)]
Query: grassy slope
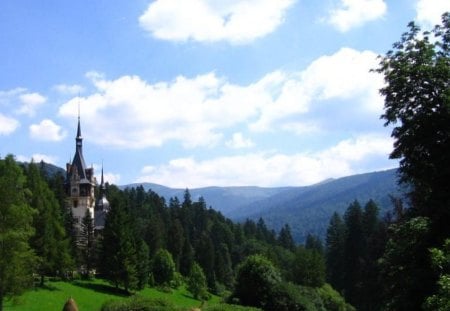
[(89, 296)]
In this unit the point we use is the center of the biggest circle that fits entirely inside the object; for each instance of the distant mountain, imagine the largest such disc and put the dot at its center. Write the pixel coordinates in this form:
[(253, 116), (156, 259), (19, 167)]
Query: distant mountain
[(48, 168), (223, 199), (306, 209), (309, 209)]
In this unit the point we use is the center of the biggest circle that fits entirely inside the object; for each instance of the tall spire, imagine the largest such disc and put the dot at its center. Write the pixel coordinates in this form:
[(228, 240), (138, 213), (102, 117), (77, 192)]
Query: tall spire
[(78, 159), (79, 127), (102, 184)]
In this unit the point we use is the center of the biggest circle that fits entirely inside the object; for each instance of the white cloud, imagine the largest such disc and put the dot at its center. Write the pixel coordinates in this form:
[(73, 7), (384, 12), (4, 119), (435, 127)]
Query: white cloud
[(111, 178), (30, 102), (47, 130), (7, 96), (235, 21), (128, 112), (238, 141), (38, 157), (7, 125), (354, 13), (344, 76), (275, 169), (429, 12), (73, 89)]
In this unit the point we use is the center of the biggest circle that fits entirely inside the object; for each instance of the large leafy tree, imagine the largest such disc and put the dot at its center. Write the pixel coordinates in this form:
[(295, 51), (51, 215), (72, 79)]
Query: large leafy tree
[(417, 103), (16, 216)]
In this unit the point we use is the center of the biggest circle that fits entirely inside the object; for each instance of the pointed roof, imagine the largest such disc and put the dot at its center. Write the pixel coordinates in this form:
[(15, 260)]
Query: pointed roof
[(78, 159)]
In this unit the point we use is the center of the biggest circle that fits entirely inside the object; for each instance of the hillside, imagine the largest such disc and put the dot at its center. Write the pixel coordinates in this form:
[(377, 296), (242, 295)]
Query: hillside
[(224, 199), (306, 209)]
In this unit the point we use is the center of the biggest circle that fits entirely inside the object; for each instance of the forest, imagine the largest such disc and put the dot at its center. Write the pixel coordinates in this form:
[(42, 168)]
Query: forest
[(368, 261)]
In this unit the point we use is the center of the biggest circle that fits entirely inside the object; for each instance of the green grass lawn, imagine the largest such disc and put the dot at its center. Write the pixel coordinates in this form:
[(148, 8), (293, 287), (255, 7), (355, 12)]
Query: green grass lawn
[(90, 295)]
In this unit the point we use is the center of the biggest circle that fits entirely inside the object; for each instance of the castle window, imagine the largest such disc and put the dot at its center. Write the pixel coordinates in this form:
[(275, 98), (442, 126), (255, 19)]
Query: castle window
[(74, 190), (75, 203)]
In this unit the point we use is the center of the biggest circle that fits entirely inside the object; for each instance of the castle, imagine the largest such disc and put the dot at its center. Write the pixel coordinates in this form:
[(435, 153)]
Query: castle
[(80, 189)]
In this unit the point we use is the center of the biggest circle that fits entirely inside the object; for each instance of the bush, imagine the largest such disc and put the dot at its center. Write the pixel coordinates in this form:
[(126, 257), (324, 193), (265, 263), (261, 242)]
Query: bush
[(292, 297), (163, 268), (137, 303), (196, 283), (229, 307), (332, 300), (256, 281)]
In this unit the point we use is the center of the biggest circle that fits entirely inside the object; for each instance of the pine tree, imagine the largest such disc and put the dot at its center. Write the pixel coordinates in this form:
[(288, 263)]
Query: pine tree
[(285, 238), (49, 241), (175, 241), (353, 253), (187, 257), (17, 259), (87, 243), (118, 254), (335, 241), (143, 264)]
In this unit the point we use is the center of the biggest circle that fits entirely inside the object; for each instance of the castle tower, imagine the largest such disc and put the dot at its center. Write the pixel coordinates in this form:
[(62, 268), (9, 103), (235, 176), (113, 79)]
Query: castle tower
[(80, 183)]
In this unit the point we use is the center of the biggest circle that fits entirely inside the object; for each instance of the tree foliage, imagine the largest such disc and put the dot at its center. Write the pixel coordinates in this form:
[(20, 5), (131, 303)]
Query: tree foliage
[(163, 268), (16, 257), (196, 282), (50, 240), (417, 104), (256, 282)]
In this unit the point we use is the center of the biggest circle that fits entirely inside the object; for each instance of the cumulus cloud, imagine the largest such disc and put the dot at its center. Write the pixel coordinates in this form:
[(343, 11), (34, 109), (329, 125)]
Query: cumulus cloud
[(429, 12), (238, 141), (129, 112), (7, 125), (38, 157), (111, 178), (30, 102), (273, 169), (47, 130), (344, 76), (235, 21), (354, 13)]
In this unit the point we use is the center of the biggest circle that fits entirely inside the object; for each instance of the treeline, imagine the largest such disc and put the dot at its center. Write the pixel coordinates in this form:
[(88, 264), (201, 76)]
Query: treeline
[(147, 241)]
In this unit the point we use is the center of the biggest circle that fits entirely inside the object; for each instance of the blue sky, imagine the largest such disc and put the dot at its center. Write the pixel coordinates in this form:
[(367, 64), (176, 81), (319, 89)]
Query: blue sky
[(192, 93)]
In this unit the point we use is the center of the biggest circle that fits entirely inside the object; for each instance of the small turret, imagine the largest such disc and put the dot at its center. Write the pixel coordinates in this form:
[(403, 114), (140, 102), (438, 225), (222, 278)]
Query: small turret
[(101, 206)]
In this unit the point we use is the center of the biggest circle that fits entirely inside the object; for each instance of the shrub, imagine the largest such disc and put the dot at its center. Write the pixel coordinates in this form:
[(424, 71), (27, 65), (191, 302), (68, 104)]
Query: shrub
[(196, 283), (256, 281), (163, 268), (138, 303), (332, 300)]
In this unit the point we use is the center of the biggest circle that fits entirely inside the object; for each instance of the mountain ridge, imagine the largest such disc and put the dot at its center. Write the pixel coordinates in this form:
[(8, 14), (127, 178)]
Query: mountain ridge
[(306, 209)]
